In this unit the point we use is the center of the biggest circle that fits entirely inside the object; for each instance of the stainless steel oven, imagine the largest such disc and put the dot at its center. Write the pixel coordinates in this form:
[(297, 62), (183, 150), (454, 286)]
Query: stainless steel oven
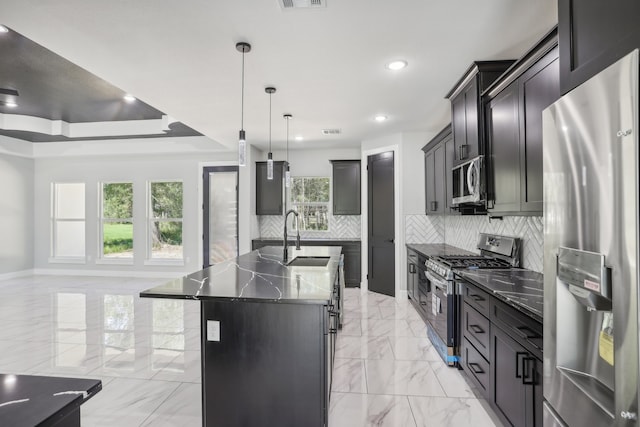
[(468, 182)]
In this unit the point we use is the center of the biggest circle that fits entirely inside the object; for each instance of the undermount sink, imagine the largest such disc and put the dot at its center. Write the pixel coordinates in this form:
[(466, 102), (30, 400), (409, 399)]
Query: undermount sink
[(309, 261)]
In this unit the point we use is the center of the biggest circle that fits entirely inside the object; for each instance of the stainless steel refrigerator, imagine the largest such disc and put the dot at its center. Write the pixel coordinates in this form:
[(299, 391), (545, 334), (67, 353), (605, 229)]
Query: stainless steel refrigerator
[(591, 251)]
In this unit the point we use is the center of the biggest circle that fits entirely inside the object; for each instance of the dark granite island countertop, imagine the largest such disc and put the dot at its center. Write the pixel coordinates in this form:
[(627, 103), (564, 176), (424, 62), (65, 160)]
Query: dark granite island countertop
[(260, 275), (437, 249), (30, 400), (520, 288)]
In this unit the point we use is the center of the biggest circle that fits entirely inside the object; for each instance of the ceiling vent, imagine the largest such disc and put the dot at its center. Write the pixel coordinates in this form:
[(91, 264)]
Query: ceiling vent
[(331, 131), (302, 4)]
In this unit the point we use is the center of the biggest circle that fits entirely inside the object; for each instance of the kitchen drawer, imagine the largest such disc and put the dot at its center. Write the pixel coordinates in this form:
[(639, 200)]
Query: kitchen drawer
[(476, 298), (476, 367), (519, 326), (476, 328)]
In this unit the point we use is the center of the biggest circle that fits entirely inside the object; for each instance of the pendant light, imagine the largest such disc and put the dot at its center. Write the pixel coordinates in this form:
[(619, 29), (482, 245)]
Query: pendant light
[(287, 174), (270, 91), (242, 140)]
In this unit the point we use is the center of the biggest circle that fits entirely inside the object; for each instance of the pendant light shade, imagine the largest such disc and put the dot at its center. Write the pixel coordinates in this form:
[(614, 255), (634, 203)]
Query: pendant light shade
[(287, 174), (270, 91), (242, 139)]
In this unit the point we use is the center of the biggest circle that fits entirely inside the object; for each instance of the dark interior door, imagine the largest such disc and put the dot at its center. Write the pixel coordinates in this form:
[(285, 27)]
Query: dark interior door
[(220, 214), (381, 223)]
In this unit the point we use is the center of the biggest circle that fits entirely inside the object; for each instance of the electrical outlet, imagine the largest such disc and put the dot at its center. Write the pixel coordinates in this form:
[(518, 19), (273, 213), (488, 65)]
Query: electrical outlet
[(213, 330)]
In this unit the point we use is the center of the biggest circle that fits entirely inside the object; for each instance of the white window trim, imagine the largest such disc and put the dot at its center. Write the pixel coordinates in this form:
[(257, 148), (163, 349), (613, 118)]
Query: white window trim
[(101, 259), (150, 260), (53, 220), (328, 204)]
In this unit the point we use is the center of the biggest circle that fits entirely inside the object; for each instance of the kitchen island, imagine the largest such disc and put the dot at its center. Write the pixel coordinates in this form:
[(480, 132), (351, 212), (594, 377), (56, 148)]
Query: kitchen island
[(267, 335)]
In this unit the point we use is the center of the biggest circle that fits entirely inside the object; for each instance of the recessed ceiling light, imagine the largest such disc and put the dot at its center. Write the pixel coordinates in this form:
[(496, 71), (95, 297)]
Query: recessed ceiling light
[(3, 29), (10, 104), (129, 98), (380, 118), (397, 65), (299, 137)]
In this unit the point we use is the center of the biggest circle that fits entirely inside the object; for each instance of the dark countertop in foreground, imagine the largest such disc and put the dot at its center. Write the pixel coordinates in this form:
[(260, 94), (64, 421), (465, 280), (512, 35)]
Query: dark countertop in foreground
[(437, 249), (29, 400), (260, 275), (522, 289)]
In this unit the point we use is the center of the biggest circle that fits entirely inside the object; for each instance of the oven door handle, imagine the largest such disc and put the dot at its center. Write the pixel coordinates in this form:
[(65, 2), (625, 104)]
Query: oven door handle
[(437, 282)]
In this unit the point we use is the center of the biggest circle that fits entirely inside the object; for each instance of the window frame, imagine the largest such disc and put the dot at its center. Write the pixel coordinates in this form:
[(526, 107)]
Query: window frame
[(54, 258), (101, 259), (293, 204), (150, 260)]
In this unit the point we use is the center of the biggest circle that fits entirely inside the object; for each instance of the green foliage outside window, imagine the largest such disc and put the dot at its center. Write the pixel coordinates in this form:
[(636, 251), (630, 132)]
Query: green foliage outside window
[(310, 198)]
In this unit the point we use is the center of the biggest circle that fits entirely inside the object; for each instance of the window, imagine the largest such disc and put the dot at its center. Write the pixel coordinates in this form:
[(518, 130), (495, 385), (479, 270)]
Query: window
[(165, 220), (67, 221), (117, 221), (310, 198)]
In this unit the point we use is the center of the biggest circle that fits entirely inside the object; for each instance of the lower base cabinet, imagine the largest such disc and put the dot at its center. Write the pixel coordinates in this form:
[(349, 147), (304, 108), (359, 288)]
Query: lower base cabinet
[(500, 360)]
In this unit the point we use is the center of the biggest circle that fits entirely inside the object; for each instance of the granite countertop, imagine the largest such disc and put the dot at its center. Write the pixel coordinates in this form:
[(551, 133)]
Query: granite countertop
[(437, 249), (29, 400), (260, 275), (520, 288)]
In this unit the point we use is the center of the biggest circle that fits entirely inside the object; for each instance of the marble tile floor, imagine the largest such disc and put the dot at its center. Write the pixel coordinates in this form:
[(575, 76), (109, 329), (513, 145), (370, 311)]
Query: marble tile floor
[(147, 353)]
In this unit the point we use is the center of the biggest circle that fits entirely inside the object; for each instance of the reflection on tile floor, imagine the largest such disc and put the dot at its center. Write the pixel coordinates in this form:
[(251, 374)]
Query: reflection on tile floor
[(147, 353)]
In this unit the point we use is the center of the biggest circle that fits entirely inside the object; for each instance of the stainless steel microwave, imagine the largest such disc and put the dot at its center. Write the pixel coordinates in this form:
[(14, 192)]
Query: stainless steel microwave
[(468, 182)]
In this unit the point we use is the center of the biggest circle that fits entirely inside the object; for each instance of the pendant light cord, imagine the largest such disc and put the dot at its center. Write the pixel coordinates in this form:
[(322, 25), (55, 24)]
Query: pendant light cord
[(242, 96), (288, 142), (269, 122)]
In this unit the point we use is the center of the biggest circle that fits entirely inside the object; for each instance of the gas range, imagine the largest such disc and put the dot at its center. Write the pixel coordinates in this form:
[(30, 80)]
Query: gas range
[(443, 266), (495, 252)]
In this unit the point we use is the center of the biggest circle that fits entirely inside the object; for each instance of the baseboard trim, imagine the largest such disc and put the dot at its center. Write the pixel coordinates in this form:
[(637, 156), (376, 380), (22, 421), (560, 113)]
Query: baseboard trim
[(15, 274), (402, 295), (109, 273)]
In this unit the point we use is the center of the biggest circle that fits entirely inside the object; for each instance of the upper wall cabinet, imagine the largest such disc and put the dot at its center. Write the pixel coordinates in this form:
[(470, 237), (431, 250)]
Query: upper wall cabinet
[(514, 130), (346, 187), (269, 192), (466, 110), (438, 162), (594, 34)]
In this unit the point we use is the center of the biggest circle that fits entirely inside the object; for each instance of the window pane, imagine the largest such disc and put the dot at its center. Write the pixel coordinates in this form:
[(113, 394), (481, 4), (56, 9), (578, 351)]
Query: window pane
[(305, 190), (69, 241), (117, 240), (166, 199), (166, 239), (69, 201), (117, 200), (313, 217)]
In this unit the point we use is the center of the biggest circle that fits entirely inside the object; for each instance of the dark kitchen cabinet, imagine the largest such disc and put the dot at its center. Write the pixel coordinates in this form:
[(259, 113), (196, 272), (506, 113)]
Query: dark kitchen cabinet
[(467, 111), (412, 275), (351, 249), (438, 161), (517, 378), (501, 355), (346, 187), (513, 117), (269, 192), (593, 35)]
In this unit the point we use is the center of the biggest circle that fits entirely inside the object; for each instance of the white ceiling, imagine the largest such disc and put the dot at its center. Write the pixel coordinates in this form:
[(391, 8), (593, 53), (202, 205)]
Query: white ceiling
[(327, 64)]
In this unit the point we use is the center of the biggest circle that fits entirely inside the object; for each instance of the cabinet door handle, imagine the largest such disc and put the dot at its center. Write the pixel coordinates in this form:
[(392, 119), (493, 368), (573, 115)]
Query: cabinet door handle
[(476, 297), (477, 369), (412, 268), (476, 329), (518, 355), (434, 206), (463, 151), (528, 379), (531, 334)]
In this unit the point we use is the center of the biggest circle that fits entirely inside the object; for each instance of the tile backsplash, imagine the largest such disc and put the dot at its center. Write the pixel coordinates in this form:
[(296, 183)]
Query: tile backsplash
[(340, 226), (462, 231)]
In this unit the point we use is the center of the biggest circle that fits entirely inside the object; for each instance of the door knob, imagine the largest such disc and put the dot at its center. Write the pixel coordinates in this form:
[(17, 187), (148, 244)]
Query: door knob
[(390, 240)]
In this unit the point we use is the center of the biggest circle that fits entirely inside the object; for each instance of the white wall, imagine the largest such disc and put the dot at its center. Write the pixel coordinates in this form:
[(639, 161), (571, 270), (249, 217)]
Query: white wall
[(314, 162), (16, 213), (413, 171), (136, 168)]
